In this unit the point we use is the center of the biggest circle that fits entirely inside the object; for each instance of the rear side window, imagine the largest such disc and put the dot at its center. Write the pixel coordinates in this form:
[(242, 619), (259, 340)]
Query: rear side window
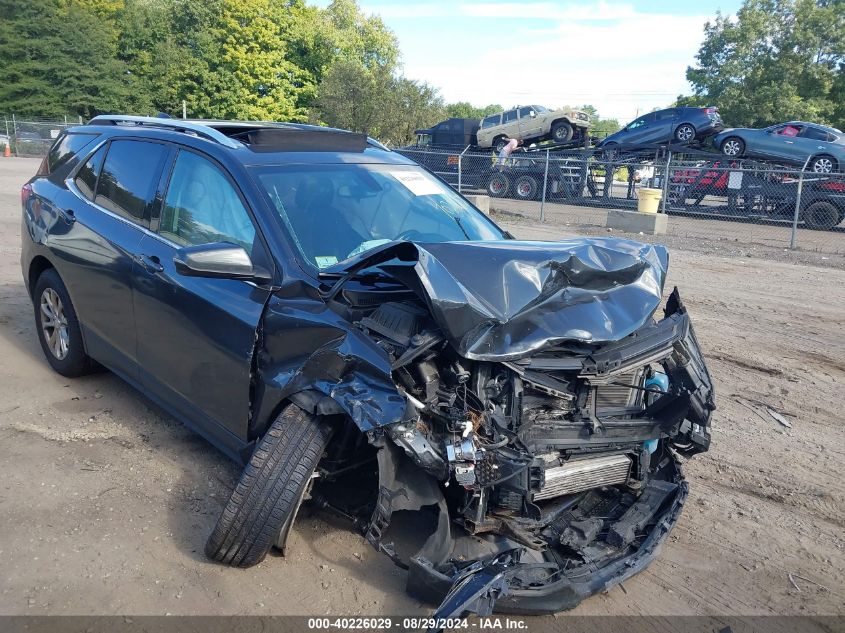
[(509, 116), (491, 121), (815, 134), (86, 178), (129, 179), (66, 147), (663, 115)]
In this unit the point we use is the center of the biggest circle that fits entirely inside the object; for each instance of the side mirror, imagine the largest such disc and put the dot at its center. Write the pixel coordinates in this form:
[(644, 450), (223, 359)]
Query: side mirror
[(221, 260)]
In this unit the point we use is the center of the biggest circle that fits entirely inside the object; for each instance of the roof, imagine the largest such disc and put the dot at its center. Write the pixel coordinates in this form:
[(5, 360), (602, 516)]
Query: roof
[(262, 142)]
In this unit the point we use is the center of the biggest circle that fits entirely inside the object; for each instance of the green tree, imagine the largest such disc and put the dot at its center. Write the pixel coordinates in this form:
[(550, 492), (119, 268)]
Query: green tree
[(777, 60), (376, 102), (465, 110), (44, 71)]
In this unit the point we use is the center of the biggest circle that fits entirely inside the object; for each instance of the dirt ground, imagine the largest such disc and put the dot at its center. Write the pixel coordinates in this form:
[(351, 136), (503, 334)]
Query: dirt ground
[(106, 501)]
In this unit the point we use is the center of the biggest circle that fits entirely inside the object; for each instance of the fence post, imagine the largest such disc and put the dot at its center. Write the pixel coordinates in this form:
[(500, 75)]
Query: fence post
[(666, 182), (15, 130), (794, 235), (545, 182), (460, 166), (6, 119)]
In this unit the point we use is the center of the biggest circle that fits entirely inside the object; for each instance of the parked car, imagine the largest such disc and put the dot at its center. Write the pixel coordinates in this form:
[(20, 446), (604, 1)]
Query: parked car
[(819, 147), (672, 125), (532, 124), (328, 313)]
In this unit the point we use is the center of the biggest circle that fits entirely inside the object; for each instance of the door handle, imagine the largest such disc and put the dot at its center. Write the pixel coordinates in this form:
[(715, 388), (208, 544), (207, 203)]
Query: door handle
[(68, 215), (150, 263)]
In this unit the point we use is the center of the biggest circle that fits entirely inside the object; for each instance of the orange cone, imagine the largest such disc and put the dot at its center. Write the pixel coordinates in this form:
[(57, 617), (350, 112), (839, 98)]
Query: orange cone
[(7, 152)]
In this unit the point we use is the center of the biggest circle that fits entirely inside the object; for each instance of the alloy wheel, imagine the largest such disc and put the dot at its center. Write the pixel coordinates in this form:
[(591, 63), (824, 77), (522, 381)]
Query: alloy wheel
[(731, 148), (54, 323), (684, 133), (823, 165)]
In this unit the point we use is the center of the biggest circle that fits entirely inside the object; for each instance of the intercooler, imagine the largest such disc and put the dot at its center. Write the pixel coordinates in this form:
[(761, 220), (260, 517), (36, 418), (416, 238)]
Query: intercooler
[(584, 474)]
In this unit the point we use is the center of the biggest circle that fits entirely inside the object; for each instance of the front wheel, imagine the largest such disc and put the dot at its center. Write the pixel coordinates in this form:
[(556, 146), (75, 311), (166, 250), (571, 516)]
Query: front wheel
[(562, 132), (264, 504), (823, 165), (58, 327), (733, 147)]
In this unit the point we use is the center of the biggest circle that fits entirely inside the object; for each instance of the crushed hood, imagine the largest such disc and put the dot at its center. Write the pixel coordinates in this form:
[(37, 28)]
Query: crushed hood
[(503, 300)]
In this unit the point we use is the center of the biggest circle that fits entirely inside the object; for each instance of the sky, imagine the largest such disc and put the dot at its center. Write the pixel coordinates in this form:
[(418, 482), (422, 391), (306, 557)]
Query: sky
[(624, 58)]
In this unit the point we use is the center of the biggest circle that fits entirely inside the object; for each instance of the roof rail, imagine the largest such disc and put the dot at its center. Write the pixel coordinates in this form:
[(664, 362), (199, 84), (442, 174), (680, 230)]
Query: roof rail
[(198, 129)]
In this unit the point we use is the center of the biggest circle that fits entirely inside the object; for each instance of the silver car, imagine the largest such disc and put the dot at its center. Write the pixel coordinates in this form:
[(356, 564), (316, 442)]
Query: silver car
[(820, 148)]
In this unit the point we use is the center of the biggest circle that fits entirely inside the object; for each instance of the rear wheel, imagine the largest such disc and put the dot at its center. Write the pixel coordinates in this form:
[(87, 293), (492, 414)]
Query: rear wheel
[(562, 132), (58, 328), (263, 506), (821, 216), (823, 165), (498, 185), (685, 133), (525, 188), (733, 146)]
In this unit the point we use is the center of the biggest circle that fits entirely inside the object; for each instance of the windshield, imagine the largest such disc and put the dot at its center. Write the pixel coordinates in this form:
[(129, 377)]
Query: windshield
[(334, 212)]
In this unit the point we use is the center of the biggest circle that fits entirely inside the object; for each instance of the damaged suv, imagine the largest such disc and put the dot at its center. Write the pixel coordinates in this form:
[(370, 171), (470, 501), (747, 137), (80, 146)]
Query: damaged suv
[(503, 418)]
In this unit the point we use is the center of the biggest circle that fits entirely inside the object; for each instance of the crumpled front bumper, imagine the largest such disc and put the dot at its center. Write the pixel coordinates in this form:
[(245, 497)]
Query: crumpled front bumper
[(489, 584)]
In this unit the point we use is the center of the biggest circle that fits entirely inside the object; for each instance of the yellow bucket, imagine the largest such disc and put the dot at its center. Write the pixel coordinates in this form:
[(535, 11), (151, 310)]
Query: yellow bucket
[(648, 199)]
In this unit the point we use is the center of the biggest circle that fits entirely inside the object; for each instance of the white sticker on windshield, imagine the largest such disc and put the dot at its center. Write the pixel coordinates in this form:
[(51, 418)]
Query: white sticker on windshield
[(417, 183), (325, 260)]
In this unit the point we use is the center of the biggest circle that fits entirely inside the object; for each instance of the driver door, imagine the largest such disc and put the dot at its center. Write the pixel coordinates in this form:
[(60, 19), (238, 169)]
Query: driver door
[(196, 335), (529, 126)]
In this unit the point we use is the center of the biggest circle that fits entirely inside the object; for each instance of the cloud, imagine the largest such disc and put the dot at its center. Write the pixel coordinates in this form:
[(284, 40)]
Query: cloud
[(609, 55)]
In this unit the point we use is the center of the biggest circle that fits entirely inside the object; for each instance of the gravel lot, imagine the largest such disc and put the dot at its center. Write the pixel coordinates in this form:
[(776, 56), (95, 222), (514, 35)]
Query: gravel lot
[(107, 501)]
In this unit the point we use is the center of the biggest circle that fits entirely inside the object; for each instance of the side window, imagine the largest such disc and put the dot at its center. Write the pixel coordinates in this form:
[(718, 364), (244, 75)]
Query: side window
[(525, 113), (86, 177), (202, 206), (491, 121), (815, 134), (129, 179), (633, 125), (509, 116), (65, 147), (665, 115)]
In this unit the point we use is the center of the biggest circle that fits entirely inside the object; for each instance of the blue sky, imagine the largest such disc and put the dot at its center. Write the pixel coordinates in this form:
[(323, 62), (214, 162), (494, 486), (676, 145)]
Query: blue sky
[(622, 57)]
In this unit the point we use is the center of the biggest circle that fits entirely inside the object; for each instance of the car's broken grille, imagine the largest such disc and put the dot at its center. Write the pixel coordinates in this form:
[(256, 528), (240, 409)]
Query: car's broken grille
[(619, 394), (584, 474)]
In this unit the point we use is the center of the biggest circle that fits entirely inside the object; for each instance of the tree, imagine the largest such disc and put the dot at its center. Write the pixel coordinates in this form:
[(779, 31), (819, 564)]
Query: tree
[(601, 127), (465, 110), (45, 72), (777, 60), (376, 102)]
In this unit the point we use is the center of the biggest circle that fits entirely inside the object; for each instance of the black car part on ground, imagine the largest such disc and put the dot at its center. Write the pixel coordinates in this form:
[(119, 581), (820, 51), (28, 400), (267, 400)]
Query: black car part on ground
[(541, 458)]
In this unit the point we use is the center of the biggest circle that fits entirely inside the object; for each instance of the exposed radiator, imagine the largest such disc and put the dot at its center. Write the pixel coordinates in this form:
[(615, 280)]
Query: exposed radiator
[(617, 394), (584, 474)]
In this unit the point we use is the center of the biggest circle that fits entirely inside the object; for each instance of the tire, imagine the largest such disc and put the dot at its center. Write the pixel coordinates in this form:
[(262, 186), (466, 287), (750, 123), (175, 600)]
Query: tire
[(61, 343), (498, 185), (685, 133), (733, 146), (821, 216), (499, 143), (525, 188), (562, 132), (610, 151), (270, 489), (823, 164)]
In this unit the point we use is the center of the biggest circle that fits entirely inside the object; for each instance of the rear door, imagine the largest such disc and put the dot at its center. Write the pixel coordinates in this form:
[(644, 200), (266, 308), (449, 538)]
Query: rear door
[(510, 124), (811, 142), (663, 128), (197, 335), (109, 211)]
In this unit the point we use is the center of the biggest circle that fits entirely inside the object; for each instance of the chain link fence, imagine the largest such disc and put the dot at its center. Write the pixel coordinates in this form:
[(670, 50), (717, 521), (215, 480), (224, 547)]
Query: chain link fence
[(706, 194), (32, 136)]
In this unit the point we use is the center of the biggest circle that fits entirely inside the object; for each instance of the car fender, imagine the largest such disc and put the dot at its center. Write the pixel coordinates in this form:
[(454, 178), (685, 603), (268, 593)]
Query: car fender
[(310, 355)]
